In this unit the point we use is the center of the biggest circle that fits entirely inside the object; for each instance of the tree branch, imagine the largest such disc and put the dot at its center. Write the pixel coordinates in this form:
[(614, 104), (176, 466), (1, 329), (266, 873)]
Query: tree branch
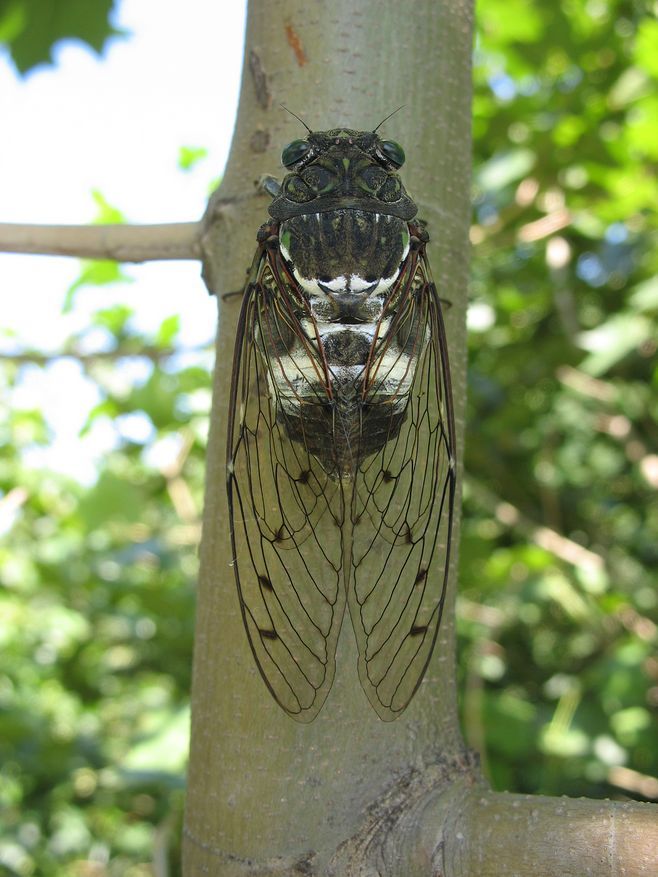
[(155, 354), (123, 243), (550, 540), (529, 835)]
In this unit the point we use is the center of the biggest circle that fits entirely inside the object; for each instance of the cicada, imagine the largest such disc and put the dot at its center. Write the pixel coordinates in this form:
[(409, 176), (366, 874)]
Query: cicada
[(341, 439)]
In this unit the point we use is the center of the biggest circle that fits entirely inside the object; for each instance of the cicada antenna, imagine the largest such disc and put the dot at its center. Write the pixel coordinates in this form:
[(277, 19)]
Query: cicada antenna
[(387, 118), (298, 119)]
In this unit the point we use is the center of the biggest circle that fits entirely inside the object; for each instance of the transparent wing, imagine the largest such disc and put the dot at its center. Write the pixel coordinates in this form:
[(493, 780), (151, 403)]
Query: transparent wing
[(286, 514), (402, 503)]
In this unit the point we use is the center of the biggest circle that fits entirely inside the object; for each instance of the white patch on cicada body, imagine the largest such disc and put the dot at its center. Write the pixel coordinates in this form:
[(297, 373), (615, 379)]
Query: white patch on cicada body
[(367, 330), (394, 378), (295, 379), (353, 284), (338, 284)]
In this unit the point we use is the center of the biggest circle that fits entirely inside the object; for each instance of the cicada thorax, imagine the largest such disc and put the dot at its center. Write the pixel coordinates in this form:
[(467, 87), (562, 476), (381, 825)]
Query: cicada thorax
[(344, 242)]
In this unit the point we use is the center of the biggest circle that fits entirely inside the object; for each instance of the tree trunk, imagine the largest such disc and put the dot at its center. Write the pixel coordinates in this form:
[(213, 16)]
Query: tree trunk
[(266, 794)]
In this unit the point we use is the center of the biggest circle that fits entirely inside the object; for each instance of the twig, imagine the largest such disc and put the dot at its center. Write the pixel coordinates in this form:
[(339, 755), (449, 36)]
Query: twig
[(548, 539), (633, 781), (586, 385), (156, 354), (545, 226), (123, 243), (177, 487)]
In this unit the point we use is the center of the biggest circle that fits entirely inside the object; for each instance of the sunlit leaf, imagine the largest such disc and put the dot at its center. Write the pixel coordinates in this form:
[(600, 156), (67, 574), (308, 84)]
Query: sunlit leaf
[(46, 22), (189, 156)]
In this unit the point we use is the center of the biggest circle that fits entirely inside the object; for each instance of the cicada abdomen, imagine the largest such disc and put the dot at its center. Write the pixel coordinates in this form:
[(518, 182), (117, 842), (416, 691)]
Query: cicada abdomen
[(341, 475)]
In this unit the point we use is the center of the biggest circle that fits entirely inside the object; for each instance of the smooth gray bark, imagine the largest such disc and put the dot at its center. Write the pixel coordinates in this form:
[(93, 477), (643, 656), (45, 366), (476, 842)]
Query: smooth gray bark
[(123, 243)]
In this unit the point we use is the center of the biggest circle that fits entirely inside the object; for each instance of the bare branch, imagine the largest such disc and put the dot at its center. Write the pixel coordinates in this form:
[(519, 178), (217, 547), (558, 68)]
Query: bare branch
[(633, 781), (529, 835), (155, 354), (123, 243), (548, 539)]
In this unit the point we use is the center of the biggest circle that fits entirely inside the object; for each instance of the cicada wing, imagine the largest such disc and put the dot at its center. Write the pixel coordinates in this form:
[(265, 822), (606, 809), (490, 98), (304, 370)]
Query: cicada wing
[(402, 504), (285, 512)]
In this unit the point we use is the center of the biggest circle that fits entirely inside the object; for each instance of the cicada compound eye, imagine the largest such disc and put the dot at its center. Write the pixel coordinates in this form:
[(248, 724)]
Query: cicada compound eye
[(392, 152), (294, 152)]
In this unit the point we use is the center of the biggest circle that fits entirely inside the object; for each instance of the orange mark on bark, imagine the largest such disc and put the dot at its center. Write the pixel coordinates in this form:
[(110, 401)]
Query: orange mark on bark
[(296, 44)]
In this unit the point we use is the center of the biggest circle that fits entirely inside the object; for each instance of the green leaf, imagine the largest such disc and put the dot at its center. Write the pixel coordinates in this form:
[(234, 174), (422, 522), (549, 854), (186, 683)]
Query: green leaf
[(168, 330), (106, 408), (642, 128), (646, 46), (106, 213), (95, 272), (98, 272), (505, 168), (613, 340), (506, 21), (164, 749), (157, 398), (645, 295), (112, 498), (188, 156), (114, 318), (632, 84), (12, 20), (32, 27)]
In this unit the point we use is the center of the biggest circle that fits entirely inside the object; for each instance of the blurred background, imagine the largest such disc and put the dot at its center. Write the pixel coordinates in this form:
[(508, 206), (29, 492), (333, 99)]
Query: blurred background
[(104, 400)]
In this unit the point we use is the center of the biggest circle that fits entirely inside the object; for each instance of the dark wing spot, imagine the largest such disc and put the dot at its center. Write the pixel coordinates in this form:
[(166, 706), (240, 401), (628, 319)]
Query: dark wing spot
[(303, 477), (421, 576), (417, 630), (264, 582), (270, 634)]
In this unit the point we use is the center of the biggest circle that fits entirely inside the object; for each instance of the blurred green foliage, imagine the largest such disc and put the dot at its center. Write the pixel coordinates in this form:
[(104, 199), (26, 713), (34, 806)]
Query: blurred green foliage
[(558, 603), (97, 611), (558, 587)]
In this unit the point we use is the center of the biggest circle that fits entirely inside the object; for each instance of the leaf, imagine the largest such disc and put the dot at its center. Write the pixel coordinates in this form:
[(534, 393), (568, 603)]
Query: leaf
[(632, 84), (106, 213), (646, 46), (12, 20), (188, 156), (98, 272), (613, 340), (157, 398), (642, 128), (645, 295), (113, 318), (46, 22), (95, 272), (112, 498), (168, 330), (505, 168), (508, 21), (106, 408), (163, 752)]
